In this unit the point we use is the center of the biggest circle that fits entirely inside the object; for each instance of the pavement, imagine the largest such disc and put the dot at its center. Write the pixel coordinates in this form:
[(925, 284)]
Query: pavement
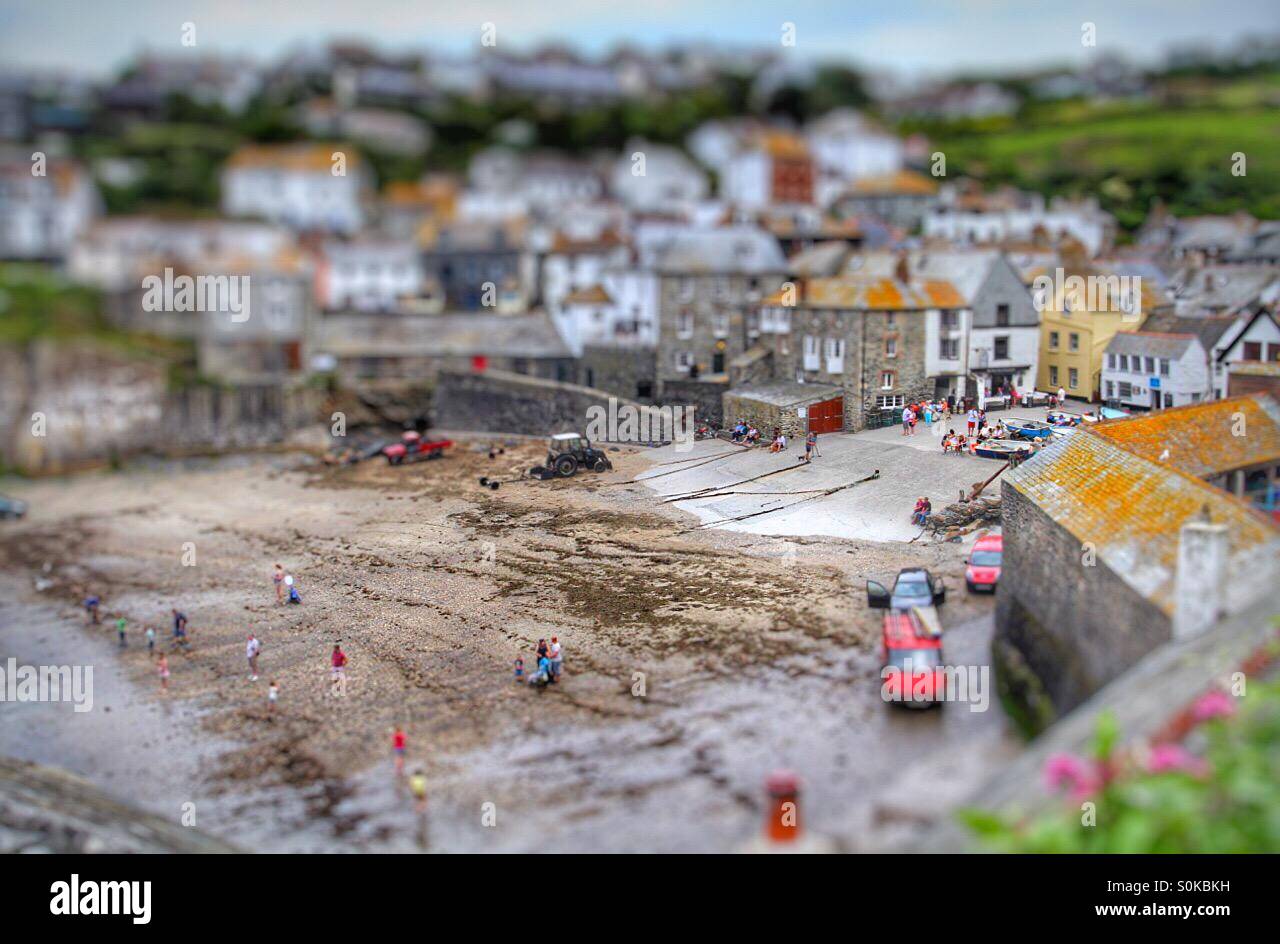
[(878, 510)]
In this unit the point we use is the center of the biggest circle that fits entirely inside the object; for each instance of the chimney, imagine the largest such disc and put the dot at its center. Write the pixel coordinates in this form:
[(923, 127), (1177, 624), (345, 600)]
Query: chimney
[(1202, 569)]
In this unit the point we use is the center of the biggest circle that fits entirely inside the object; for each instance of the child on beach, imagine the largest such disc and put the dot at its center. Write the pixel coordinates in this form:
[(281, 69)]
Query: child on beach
[(120, 628), (162, 667), (91, 605), (151, 640), (418, 787), (251, 650), (519, 669), (273, 695), (398, 741), (338, 664), (277, 578)]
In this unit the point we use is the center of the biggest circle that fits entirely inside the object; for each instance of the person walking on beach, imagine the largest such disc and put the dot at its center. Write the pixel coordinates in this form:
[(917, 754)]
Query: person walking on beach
[(121, 625), (179, 629), (251, 650), (418, 788), (811, 446), (972, 419), (277, 578), (398, 742), (91, 605), (273, 695), (151, 641), (338, 669), (542, 649), (556, 657), (519, 669), (162, 667)]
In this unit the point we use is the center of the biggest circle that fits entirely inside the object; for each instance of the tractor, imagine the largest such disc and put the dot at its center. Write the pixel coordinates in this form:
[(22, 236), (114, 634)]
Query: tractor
[(569, 452)]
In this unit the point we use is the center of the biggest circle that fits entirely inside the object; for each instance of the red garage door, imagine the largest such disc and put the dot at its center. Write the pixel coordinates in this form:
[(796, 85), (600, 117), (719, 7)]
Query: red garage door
[(827, 416)]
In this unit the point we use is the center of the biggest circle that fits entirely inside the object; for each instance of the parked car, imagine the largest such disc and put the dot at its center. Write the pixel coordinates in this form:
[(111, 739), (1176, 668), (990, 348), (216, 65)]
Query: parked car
[(11, 507), (911, 655), (913, 587), (982, 570)]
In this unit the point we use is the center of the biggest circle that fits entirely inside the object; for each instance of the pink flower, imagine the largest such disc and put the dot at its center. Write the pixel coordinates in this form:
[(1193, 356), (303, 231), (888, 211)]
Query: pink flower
[(1066, 772), (1174, 758), (1213, 704)]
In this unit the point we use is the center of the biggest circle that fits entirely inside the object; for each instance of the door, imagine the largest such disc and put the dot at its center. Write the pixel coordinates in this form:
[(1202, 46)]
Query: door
[(717, 362), (827, 416)]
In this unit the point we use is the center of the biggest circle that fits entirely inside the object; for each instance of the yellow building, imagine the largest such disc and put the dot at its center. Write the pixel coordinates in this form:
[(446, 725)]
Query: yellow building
[(1081, 310)]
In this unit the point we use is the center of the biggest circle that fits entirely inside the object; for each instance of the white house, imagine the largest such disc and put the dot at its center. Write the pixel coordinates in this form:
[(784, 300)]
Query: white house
[(1149, 370), (650, 177), (1254, 337), (303, 186), (367, 275), (847, 147), (44, 208), (573, 263), (1019, 217)]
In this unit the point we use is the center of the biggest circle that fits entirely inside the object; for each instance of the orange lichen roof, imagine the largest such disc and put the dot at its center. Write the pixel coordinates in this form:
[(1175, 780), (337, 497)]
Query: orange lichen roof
[(782, 144), (296, 157), (565, 243), (880, 294), (591, 295), (1203, 439), (1130, 510), (904, 182)]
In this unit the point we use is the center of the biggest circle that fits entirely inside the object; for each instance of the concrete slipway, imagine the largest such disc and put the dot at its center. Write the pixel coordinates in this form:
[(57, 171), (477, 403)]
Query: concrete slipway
[(878, 510)]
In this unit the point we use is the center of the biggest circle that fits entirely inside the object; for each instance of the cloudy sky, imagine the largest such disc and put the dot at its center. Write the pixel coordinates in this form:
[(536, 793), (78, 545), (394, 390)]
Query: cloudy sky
[(912, 36)]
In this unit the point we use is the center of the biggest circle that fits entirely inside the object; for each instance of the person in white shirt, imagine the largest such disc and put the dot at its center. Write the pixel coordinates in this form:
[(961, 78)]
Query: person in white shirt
[(251, 650), (1062, 396), (556, 658)]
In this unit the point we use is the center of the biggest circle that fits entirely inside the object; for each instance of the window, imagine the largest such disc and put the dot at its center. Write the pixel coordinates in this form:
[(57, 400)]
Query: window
[(1126, 390), (1053, 374), (888, 319), (1053, 340), (892, 401), (1168, 399), (686, 289), (1253, 350), (1111, 389), (720, 325), (835, 355), (950, 320), (887, 379), (810, 352), (684, 325), (1002, 347), (949, 349), (1164, 367), (1073, 378), (684, 360), (1002, 316), (1151, 365), (1073, 341), (891, 347)]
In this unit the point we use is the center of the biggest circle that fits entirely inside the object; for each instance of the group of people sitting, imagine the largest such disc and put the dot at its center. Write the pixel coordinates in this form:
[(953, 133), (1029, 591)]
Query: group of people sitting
[(924, 508), (741, 432), (961, 443)]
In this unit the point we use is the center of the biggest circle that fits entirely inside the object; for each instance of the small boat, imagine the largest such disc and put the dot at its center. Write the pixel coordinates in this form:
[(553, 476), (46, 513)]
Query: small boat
[(1028, 429), (1000, 449)]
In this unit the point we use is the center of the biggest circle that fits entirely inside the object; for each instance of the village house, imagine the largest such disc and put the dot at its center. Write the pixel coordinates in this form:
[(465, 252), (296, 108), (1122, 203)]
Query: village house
[(367, 274), (900, 199), (1251, 338), (1246, 377), (650, 177), (405, 208), (507, 182), (964, 216), (861, 341), (306, 187), (775, 167), (1081, 310), (576, 261), (1195, 240), (1151, 370), (44, 210), (272, 343), (466, 258), (1129, 512), (710, 285), (847, 146)]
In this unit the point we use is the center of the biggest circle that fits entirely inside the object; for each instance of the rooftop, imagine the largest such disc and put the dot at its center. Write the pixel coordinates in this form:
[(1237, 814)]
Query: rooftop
[(1130, 509), (1202, 439)]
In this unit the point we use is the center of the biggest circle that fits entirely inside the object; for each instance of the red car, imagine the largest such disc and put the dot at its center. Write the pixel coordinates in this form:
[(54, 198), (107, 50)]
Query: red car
[(983, 570), (412, 448), (913, 673)]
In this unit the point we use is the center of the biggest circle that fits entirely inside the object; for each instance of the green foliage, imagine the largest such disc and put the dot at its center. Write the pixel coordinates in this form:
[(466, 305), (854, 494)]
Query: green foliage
[(1231, 806)]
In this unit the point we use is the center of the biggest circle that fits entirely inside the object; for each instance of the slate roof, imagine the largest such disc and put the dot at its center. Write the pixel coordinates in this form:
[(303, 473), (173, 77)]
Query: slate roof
[(723, 249), (1200, 438), (1152, 343), (1130, 510), (786, 393)]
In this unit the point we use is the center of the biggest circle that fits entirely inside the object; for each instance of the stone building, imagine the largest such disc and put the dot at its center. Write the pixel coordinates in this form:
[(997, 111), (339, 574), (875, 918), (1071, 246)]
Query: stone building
[(866, 338), (1114, 545), (710, 285)]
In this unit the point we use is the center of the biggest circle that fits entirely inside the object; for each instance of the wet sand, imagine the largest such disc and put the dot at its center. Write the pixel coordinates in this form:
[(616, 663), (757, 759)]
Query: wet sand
[(757, 652)]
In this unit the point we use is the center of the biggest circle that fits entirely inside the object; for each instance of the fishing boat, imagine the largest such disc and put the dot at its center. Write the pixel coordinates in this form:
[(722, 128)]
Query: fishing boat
[(1000, 449), (1028, 429)]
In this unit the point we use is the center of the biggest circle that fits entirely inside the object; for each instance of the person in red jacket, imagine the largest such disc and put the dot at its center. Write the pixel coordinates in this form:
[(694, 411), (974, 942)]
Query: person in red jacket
[(398, 742), (338, 664)]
